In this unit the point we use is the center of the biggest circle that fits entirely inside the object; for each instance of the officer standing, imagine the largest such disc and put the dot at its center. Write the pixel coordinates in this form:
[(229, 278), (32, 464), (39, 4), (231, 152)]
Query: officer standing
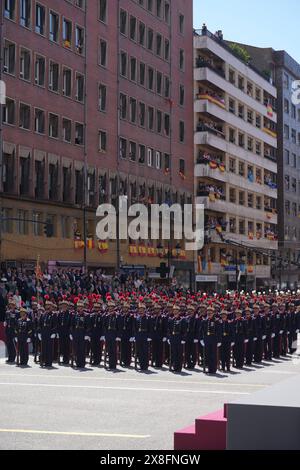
[(96, 323), (268, 334), (10, 323), (210, 340), (23, 337), (63, 328), (191, 338), (47, 333), (249, 324), (258, 334), (79, 332), (111, 331), (126, 332), (141, 328), (239, 340), (158, 336), (227, 340), (176, 338)]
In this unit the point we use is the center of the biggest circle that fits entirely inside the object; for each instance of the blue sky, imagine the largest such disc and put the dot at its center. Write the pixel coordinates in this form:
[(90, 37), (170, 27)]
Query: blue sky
[(262, 23)]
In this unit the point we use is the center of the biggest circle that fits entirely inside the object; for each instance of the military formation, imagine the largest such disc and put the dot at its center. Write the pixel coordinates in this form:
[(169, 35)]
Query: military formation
[(182, 331)]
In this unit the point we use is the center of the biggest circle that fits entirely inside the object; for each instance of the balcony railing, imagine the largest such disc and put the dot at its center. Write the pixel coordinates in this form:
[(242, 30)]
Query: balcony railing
[(202, 63)]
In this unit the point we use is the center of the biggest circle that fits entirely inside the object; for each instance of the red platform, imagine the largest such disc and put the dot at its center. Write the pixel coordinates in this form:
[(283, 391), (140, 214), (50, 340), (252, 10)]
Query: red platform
[(208, 433)]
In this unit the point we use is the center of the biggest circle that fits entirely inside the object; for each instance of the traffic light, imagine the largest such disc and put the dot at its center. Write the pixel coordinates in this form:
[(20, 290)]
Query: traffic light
[(163, 270), (48, 229)]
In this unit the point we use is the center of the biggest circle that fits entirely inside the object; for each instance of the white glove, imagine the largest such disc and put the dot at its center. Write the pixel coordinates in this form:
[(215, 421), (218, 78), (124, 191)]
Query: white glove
[(202, 343), (297, 331), (149, 340), (232, 344), (273, 335), (164, 340), (288, 332), (182, 342), (87, 338), (196, 341), (28, 340), (71, 337), (118, 339), (246, 341), (264, 337), (219, 344), (169, 342), (53, 336), (40, 337), (281, 332), (254, 339), (57, 336), (16, 340), (5, 324), (102, 338)]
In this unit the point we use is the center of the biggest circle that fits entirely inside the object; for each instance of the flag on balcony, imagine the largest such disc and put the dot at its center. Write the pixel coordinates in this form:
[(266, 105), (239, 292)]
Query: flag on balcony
[(270, 110), (200, 264), (213, 165), (222, 167), (90, 244), (103, 246)]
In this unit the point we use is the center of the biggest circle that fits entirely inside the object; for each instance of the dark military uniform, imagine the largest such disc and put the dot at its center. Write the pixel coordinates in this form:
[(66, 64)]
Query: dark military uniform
[(239, 340), (176, 337), (249, 324), (210, 335), (158, 333), (269, 334), (63, 328), (227, 338), (80, 328), (277, 340), (191, 339), (258, 340), (23, 334), (141, 328), (11, 319), (47, 329), (96, 325), (126, 332), (111, 331)]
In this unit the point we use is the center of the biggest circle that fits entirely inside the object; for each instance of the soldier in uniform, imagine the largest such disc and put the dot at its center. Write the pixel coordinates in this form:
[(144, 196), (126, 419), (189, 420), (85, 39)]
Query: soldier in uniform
[(141, 328), (63, 328), (227, 340), (191, 337), (283, 331), (210, 340), (268, 333), (158, 336), (239, 340), (112, 335), (176, 338), (276, 331), (96, 323), (126, 332), (10, 323), (79, 333), (249, 324), (23, 334), (292, 328), (258, 334), (47, 329)]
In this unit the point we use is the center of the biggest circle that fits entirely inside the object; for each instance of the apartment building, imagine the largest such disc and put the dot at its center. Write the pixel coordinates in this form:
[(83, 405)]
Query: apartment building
[(236, 166), (99, 104), (285, 71)]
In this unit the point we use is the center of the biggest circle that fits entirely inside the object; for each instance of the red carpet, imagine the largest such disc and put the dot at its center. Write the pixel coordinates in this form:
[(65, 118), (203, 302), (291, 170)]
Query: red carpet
[(208, 433)]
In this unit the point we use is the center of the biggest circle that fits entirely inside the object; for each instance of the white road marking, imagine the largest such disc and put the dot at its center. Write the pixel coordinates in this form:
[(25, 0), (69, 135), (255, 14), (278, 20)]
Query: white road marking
[(129, 389), (117, 379), (80, 434)]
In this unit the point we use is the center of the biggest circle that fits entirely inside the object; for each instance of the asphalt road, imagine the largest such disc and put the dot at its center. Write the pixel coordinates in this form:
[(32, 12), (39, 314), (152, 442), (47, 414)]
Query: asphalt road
[(95, 409)]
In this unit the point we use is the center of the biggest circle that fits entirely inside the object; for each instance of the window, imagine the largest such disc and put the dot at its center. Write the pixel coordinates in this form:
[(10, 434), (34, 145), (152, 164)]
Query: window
[(142, 154), (181, 24), (232, 165), (286, 106), (37, 226), (54, 76), (102, 97), (150, 37), (67, 33), (39, 121), (132, 28), (80, 87), (181, 59), (79, 134), (181, 95), (79, 40), (40, 65), (67, 82), (123, 148), (181, 131), (123, 65), (40, 15), (150, 78), (53, 26), (123, 106), (158, 160), (159, 121), (22, 224), (10, 9), (103, 53), (103, 11), (133, 69), (150, 118), (25, 116), (53, 125), (67, 130), (123, 22), (182, 166), (8, 112), (25, 62), (158, 45), (142, 74), (167, 125), (167, 50), (102, 141), (25, 13), (9, 57), (132, 110), (150, 157), (132, 151), (142, 114)]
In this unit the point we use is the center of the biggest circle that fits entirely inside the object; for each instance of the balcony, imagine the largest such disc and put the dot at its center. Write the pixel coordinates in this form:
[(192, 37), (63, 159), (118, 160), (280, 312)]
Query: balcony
[(258, 271), (205, 171), (216, 140), (211, 75), (211, 106), (225, 207)]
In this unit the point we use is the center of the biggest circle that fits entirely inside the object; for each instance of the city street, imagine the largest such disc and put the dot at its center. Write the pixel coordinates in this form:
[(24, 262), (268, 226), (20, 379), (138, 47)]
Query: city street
[(95, 409)]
